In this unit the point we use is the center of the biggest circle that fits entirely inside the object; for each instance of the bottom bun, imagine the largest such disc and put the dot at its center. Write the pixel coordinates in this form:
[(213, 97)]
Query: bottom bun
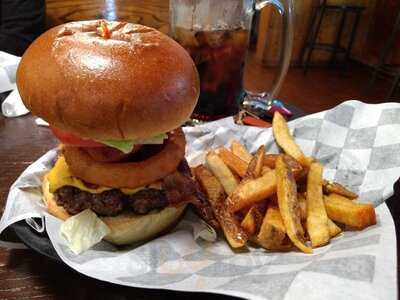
[(127, 227)]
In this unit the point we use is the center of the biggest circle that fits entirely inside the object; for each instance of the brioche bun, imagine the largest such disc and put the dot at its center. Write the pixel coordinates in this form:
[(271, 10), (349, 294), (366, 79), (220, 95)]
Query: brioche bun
[(135, 82), (126, 228)]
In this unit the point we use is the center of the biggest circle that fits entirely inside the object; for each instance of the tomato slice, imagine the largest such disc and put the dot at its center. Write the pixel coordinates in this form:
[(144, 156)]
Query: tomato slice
[(73, 140)]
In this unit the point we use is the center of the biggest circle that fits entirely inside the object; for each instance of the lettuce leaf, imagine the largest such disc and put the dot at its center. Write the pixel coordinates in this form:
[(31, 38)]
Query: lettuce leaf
[(155, 140), (126, 146), (84, 230)]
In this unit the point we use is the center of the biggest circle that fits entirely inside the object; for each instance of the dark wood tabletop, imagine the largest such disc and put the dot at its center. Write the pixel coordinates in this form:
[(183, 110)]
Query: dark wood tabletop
[(25, 274)]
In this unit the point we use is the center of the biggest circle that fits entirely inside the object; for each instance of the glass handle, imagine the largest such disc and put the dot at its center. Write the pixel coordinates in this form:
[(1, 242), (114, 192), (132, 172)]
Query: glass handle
[(285, 9)]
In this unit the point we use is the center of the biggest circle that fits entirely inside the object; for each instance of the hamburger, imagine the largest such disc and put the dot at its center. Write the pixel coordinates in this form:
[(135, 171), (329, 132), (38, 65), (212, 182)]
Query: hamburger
[(115, 95)]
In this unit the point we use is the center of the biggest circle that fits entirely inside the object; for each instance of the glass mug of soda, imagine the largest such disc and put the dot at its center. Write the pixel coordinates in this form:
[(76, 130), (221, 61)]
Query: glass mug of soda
[(216, 35)]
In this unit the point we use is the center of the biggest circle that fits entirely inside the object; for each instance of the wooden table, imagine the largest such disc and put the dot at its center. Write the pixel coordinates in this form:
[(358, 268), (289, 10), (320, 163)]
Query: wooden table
[(25, 274)]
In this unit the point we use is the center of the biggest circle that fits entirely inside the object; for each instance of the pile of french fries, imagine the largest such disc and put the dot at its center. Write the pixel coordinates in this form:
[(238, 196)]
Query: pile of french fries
[(277, 201)]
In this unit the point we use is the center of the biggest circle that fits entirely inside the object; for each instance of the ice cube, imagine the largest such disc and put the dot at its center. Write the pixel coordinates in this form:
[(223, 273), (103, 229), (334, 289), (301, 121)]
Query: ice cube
[(186, 37), (201, 38), (215, 38), (239, 38)]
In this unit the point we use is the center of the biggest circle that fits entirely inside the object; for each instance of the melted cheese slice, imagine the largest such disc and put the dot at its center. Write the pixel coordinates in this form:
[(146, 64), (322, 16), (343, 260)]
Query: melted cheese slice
[(61, 176)]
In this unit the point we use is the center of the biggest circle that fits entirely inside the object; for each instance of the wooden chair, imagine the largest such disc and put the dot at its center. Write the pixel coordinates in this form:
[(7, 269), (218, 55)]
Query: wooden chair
[(335, 48), (382, 69)]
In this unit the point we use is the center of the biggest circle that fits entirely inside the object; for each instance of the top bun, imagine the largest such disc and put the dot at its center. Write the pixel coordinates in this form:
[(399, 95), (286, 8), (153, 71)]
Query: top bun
[(130, 82)]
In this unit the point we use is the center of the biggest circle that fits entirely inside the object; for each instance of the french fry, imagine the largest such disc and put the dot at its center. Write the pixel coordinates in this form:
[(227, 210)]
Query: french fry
[(334, 230), (297, 169), (253, 191), (256, 164), (302, 185), (222, 172), (235, 163), (239, 186), (345, 211), (317, 219), (303, 206), (252, 221), (288, 204), (272, 235), (285, 140), (273, 200), (265, 169), (270, 159), (214, 190), (334, 187), (250, 192), (239, 150)]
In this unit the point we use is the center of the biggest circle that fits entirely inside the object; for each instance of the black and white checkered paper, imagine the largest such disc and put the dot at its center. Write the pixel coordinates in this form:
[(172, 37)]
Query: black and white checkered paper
[(359, 145), (8, 69)]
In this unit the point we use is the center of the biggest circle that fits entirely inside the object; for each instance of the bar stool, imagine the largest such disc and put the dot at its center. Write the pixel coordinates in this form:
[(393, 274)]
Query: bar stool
[(395, 86), (334, 48), (384, 69)]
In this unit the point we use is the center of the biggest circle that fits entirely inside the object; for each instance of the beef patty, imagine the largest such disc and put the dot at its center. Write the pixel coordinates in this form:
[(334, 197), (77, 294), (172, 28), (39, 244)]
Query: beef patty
[(178, 187), (110, 203)]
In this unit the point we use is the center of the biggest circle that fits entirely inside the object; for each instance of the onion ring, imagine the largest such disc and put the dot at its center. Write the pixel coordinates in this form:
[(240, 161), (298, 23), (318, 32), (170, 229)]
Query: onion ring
[(108, 154), (128, 174)]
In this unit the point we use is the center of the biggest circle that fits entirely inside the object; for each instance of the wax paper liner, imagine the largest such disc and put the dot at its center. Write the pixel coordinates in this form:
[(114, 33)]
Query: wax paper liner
[(359, 146)]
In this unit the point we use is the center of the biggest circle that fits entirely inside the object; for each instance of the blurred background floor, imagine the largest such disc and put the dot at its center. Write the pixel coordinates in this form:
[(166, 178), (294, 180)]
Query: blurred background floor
[(322, 88)]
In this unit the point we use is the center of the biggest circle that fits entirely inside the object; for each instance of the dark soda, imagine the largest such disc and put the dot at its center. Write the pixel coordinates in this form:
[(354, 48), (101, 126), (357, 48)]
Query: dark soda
[(219, 56)]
